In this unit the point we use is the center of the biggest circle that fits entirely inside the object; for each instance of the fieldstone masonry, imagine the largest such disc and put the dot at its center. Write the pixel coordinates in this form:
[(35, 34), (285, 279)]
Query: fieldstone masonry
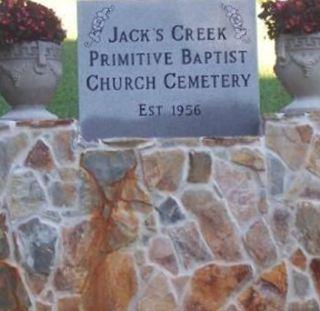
[(228, 224)]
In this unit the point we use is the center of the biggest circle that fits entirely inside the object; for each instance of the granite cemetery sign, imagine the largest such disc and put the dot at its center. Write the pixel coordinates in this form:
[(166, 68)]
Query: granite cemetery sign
[(167, 68)]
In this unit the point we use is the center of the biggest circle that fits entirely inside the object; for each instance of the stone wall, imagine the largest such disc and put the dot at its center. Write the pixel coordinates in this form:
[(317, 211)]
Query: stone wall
[(164, 224)]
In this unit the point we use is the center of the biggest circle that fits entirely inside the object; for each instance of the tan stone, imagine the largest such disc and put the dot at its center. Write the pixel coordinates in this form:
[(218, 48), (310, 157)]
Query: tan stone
[(44, 123), (299, 259), (239, 186), (112, 285), (259, 245), (303, 186), (128, 143), (228, 141), (277, 277), (180, 284), (215, 224), (211, 286), (63, 145), (189, 245), (161, 252), (308, 229), (163, 169), (251, 158), (282, 225), (43, 307), (26, 195), (290, 142), (69, 304), (313, 161), (231, 308), (40, 157), (158, 296), (310, 305)]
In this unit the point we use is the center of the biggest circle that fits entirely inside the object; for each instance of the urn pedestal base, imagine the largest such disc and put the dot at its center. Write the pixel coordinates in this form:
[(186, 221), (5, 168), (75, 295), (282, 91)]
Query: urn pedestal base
[(29, 113), (302, 105)]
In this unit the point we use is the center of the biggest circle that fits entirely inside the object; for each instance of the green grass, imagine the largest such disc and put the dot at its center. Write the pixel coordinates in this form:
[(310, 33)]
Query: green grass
[(65, 102)]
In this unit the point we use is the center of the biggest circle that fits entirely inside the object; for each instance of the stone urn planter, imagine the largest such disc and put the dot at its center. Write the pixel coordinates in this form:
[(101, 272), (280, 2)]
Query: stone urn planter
[(29, 75), (298, 69)]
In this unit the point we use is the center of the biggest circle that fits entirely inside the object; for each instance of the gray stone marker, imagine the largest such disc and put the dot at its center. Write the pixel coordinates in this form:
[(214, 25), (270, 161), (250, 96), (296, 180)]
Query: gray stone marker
[(167, 68)]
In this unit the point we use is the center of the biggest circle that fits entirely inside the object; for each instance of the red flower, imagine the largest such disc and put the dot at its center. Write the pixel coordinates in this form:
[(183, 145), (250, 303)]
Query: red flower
[(24, 20), (291, 16)]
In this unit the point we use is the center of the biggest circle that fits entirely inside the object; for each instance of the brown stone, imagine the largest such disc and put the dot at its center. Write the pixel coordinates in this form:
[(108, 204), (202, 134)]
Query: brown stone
[(161, 252), (69, 304), (299, 259), (251, 158), (290, 142), (63, 145), (310, 305), (215, 224), (13, 296), (199, 167), (211, 286), (259, 245), (157, 296), (163, 169), (268, 293), (315, 269), (189, 245), (123, 226), (40, 157), (308, 229), (313, 161), (112, 285), (261, 297)]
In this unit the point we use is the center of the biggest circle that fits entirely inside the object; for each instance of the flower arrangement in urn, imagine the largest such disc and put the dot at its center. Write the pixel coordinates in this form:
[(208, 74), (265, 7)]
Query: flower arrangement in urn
[(30, 57), (295, 26)]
